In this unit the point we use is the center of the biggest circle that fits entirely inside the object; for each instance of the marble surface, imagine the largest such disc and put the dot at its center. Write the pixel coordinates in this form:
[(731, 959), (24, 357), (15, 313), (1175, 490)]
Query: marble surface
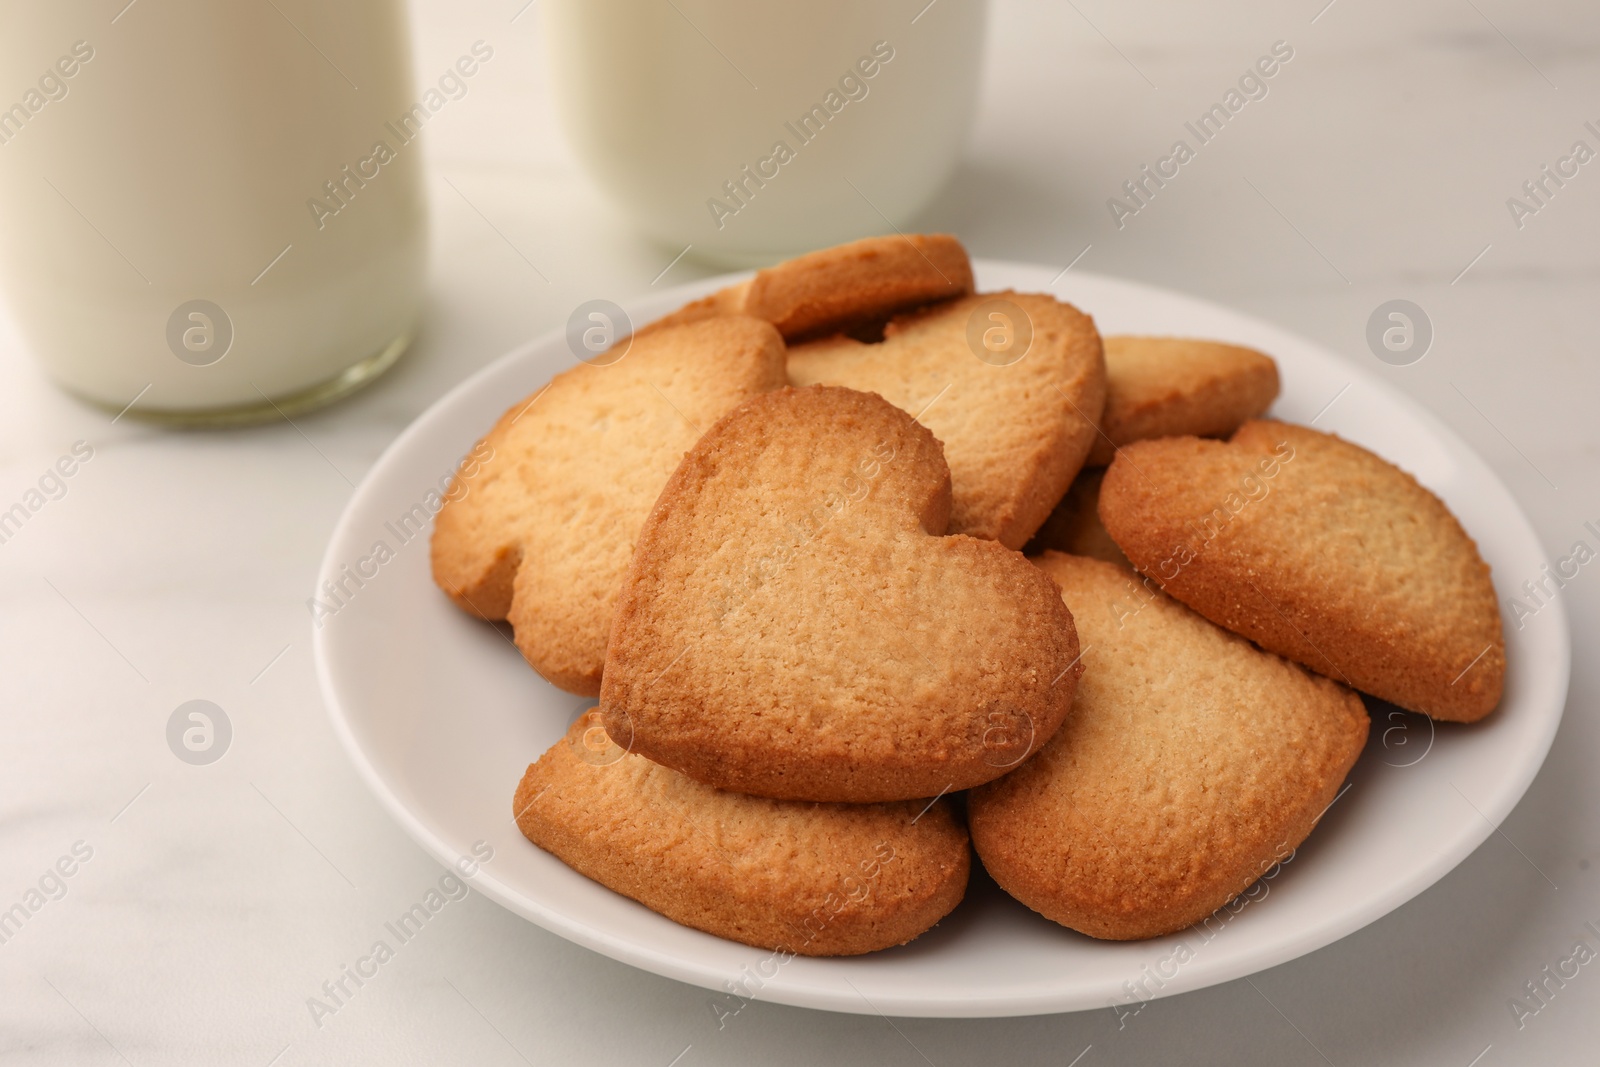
[(215, 900)]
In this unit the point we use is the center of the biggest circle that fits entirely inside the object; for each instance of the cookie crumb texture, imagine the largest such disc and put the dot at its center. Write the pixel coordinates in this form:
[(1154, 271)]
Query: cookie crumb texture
[(794, 625), (1192, 762), (542, 531), (807, 879), (1318, 550)]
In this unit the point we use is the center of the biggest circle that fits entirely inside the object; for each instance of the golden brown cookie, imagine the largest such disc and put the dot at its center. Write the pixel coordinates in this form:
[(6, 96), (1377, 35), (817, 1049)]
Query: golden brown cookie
[(844, 287), (1171, 386), (1016, 421), (807, 879), (1074, 526), (1318, 550), (793, 625), (541, 532), (1192, 762)]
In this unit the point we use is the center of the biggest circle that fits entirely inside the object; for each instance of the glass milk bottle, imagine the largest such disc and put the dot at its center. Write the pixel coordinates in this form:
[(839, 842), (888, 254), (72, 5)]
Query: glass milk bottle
[(749, 130), (206, 214)]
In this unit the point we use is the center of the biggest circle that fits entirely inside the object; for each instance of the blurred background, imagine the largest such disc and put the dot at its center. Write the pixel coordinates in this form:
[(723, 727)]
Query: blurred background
[(1378, 166)]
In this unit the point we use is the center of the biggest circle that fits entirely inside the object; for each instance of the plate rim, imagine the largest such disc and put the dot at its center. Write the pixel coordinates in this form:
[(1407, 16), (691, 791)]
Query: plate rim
[(967, 1005)]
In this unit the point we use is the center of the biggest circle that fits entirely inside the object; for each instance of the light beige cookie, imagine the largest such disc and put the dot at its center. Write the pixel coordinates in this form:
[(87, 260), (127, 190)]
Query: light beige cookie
[(1074, 527), (1192, 762), (800, 878), (1011, 383), (541, 531), (1318, 550), (793, 625), (842, 288), (1171, 386)]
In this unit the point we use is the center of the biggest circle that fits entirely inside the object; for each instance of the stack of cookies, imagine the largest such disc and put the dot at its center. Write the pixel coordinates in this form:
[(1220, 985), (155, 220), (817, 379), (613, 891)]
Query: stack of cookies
[(782, 539)]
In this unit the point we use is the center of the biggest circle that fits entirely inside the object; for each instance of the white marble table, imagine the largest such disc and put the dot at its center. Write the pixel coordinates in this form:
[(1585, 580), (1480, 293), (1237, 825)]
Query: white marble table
[(215, 900)]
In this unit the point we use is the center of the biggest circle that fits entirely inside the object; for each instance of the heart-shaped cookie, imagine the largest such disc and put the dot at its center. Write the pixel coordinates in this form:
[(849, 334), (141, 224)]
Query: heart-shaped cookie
[(1167, 386), (1011, 383), (849, 286), (1192, 763), (793, 625), (1318, 550), (802, 879), (540, 531)]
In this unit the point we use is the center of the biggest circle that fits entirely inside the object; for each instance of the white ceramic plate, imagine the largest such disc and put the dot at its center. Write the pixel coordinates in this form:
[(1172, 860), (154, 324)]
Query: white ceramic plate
[(441, 716)]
